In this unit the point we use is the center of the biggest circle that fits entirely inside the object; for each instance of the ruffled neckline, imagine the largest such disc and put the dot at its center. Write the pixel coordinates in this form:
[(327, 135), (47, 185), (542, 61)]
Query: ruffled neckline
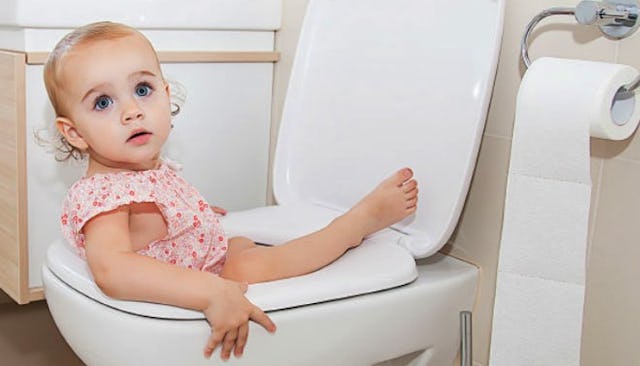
[(164, 164)]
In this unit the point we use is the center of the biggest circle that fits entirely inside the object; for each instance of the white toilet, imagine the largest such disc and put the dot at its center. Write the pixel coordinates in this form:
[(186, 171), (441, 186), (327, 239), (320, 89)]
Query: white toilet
[(376, 85)]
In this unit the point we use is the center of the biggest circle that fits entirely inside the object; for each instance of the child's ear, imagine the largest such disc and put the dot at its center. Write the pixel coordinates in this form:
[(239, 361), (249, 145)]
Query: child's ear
[(68, 130)]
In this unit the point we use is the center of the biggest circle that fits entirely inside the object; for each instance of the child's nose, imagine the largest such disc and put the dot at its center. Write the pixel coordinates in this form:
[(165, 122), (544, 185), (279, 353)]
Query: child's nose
[(132, 112)]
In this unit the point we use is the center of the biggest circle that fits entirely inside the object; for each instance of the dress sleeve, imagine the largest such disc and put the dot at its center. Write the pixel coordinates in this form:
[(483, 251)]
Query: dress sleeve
[(97, 194)]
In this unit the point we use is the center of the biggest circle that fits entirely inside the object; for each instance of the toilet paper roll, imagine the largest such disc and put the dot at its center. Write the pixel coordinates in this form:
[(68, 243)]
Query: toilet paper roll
[(541, 270), (560, 99), (585, 89)]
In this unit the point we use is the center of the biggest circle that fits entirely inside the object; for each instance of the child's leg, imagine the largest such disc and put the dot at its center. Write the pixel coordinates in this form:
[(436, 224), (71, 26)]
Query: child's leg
[(391, 201)]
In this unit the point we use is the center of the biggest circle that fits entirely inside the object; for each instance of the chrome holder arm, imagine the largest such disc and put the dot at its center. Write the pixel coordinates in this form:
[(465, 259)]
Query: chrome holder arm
[(616, 19), (632, 86), (524, 43)]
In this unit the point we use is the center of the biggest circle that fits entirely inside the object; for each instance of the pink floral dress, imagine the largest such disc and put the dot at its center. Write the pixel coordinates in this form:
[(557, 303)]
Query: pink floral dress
[(195, 237)]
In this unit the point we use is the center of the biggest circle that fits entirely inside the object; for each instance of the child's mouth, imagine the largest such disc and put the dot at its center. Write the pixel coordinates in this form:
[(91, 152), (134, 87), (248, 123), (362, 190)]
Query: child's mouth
[(139, 138)]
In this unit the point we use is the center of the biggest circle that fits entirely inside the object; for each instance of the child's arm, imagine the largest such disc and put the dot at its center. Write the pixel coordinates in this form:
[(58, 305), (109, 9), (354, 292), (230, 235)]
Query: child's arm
[(121, 273)]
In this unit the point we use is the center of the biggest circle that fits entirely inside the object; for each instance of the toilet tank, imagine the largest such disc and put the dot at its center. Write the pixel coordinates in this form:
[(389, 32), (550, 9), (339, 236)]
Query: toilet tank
[(377, 85)]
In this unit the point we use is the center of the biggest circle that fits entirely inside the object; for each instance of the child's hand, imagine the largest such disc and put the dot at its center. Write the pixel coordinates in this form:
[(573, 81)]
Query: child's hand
[(218, 210), (228, 314)]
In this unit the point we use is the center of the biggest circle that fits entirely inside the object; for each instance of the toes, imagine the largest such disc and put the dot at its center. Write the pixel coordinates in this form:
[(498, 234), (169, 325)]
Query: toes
[(412, 203), (409, 186), (411, 192), (401, 176)]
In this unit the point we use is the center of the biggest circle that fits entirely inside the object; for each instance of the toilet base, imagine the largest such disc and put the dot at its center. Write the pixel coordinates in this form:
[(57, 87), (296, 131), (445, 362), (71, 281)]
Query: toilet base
[(360, 330)]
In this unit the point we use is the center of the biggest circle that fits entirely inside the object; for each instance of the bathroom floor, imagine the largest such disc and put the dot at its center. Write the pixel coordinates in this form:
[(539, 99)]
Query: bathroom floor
[(28, 337)]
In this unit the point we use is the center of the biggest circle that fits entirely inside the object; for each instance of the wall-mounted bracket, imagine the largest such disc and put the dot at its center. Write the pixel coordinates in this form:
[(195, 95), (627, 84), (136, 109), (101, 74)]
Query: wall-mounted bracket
[(615, 18)]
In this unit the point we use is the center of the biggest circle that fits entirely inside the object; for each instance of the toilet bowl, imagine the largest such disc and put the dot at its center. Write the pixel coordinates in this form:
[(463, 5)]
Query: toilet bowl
[(349, 330), (375, 86)]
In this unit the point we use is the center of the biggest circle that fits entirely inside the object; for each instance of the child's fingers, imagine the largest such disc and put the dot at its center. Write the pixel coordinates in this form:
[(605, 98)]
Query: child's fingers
[(241, 341), (228, 343), (214, 339), (263, 319), (219, 210)]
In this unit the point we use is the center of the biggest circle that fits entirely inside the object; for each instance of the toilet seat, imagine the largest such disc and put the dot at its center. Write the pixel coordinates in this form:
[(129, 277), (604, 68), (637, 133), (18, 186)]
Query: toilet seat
[(378, 264)]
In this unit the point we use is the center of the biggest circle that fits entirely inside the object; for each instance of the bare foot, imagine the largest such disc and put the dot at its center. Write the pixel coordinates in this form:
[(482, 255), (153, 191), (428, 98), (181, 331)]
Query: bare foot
[(392, 200)]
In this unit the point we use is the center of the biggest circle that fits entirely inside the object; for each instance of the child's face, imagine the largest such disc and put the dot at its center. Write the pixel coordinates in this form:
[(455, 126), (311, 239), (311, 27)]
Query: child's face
[(117, 102)]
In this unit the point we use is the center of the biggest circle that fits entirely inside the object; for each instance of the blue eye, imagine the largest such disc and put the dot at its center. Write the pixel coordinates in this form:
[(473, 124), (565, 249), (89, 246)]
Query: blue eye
[(142, 90), (102, 102)]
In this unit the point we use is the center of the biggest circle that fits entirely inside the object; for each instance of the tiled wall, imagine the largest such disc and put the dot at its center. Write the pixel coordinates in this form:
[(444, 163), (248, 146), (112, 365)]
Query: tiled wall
[(612, 299), (612, 268)]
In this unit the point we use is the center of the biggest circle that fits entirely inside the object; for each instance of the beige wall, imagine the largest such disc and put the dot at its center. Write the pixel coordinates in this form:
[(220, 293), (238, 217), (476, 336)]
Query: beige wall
[(612, 300)]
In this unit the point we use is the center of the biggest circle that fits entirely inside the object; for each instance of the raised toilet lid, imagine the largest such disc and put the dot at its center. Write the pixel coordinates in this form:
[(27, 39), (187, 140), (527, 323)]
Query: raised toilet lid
[(377, 85), (379, 263)]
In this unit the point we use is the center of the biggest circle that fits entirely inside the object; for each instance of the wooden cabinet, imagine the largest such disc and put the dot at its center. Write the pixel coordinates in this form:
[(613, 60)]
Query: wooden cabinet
[(13, 199)]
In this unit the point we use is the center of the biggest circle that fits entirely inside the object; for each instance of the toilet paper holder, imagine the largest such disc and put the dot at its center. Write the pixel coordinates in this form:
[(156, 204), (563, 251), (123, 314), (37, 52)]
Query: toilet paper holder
[(616, 19)]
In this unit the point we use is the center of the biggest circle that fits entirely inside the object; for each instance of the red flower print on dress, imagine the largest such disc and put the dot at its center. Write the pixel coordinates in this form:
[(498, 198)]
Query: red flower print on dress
[(198, 243)]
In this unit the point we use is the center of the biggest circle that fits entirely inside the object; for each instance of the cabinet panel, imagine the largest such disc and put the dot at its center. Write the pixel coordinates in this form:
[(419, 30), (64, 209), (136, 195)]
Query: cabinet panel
[(48, 179), (13, 239), (221, 137)]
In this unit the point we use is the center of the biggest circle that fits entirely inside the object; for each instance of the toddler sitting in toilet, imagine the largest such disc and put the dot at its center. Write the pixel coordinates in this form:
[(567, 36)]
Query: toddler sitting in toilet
[(145, 232)]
